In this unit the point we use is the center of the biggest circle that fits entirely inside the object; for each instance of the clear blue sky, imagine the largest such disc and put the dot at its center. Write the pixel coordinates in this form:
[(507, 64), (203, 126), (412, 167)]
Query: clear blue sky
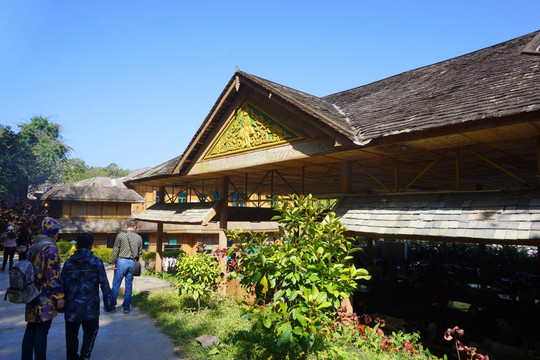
[(131, 81)]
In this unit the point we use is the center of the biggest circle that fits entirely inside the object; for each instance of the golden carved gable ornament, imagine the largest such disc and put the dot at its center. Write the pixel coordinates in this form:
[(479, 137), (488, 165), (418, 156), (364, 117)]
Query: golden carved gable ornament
[(250, 129)]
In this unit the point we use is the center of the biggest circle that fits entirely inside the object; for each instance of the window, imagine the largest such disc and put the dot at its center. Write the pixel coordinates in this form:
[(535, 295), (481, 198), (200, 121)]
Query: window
[(182, 197), (238, 199)]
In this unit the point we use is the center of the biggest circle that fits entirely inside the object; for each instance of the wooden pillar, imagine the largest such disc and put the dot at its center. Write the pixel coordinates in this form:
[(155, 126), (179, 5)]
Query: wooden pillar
[(482, 264), (223, 215), (538, 256), (369, 251), (346, 177), (538, 157), (159, 239)]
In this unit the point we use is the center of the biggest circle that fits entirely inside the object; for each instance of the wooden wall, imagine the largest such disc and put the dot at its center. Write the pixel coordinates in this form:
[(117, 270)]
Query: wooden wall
[(83, 209)]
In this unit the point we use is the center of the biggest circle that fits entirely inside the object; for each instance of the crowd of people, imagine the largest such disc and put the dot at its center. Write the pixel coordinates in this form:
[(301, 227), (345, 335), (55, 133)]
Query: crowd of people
[(72, 288)]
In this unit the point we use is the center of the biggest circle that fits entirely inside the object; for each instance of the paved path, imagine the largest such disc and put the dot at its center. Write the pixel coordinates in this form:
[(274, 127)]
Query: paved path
[(121, 336)]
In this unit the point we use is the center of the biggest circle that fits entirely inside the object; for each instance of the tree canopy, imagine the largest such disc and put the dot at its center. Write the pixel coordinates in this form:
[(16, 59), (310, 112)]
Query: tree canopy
[(37, 156)]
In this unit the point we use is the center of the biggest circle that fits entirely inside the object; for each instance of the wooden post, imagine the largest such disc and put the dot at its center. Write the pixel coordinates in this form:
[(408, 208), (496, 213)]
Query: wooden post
[(222, 286), (346, 177), (482, 264), (223, 215), (159, 240), (369, 251)]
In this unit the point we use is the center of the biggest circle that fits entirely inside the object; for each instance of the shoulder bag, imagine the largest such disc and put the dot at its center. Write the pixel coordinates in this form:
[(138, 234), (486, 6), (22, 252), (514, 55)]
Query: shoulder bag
[(136, 264)]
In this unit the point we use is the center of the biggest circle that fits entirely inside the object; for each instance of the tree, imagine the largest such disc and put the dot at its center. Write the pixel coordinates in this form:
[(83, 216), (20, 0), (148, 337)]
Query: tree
[(74, 170), (16, 162), (45, 140)]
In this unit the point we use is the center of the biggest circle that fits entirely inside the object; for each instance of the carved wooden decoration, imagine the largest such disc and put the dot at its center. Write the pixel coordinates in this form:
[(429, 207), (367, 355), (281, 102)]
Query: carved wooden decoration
[(250, 129)]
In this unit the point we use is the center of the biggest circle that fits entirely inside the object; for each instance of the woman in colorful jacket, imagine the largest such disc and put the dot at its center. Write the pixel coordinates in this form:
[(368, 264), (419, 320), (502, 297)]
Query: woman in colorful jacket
[(39, 312)]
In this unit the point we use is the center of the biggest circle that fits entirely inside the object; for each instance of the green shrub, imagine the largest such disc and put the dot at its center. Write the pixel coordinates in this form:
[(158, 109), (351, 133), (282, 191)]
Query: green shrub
[(300, 283), (63, 249), (105, 254), (196, 276)]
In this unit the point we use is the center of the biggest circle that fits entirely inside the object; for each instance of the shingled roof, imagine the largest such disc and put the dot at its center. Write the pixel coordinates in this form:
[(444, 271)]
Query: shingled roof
[(491, 83), (91, 193), (498, 81), (493, 217)]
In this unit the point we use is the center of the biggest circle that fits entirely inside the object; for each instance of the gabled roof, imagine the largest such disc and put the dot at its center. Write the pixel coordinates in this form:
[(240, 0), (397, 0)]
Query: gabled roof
[(489, 84), (101, 181), (91, 193)]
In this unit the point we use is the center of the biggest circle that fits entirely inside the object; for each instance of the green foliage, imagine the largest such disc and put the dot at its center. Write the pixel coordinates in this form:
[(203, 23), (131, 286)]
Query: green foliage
[(16, 165), (112, 171), (63, 249), (301, 282), (74, 170), (242, 339), (45, 140), (105, 254), (196, 276)]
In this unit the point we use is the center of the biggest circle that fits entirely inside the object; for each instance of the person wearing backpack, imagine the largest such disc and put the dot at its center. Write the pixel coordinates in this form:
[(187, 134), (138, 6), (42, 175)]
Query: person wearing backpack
[(82, 276), (40, 311), (10, 244)]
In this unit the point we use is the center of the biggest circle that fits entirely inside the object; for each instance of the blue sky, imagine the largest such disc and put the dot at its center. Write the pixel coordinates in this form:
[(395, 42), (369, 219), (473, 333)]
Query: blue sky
[(131, 81)]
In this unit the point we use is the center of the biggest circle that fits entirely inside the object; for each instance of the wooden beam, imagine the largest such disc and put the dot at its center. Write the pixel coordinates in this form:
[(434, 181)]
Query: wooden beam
[(420, 174), (500, 168), (286, 182)]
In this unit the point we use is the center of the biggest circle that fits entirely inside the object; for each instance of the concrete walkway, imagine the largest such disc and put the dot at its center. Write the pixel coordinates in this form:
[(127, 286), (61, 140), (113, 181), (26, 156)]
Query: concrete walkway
[(121, 336)]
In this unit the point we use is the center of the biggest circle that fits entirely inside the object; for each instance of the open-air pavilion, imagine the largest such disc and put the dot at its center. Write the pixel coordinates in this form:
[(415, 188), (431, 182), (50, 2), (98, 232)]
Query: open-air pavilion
[(447, 152)]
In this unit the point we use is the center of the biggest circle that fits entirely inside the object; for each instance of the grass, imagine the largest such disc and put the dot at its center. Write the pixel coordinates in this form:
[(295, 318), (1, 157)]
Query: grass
[(219, 317), (240, 337)]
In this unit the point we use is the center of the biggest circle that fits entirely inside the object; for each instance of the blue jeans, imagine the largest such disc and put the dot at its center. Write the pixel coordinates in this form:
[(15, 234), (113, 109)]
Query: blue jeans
[(35, 340), (124, 268)]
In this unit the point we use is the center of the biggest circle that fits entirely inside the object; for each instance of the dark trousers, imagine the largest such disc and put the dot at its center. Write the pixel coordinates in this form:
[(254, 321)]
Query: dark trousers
[(90, 330), (9, 252), (35, 340)]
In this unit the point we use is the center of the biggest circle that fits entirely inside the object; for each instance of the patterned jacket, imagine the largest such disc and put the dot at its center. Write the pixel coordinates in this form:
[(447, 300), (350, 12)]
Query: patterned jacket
[(82, 276), (46, 261)]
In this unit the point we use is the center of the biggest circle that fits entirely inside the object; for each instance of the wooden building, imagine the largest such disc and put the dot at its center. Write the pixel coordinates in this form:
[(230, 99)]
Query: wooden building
[(447, 152), (99, 205)]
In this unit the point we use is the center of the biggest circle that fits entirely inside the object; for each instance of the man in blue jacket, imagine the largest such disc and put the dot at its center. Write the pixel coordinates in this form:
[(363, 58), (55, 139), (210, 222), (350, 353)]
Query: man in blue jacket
[(82, 276)]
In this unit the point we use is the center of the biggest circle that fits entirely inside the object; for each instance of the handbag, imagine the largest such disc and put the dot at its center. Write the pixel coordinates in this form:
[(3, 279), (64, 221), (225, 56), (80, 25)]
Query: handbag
[(136, 270)]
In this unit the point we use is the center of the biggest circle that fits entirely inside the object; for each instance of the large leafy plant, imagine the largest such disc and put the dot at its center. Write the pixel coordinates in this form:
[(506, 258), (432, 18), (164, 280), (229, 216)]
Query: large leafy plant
[(197, 275), (302, 278)]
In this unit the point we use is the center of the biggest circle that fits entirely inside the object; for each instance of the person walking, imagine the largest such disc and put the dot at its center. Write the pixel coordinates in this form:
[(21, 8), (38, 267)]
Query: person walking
[(82, 276), (10, 245), (43, 309), (24, 240), (127, 247)]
